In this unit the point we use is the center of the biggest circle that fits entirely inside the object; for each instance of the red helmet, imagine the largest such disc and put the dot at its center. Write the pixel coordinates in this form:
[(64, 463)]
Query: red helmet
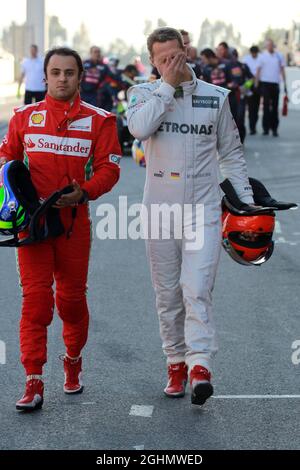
[(248, 238), (248, 230)]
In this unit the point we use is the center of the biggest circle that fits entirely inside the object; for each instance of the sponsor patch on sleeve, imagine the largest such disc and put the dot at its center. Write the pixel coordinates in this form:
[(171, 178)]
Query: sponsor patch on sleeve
[(133, 100), (137, 105), (115, 159)]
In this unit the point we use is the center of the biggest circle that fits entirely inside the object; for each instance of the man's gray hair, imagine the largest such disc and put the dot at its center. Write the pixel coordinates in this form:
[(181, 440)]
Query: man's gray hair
[(163, 35)]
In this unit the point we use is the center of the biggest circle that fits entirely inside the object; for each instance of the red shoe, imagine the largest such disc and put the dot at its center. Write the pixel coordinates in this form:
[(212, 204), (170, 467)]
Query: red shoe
[(178, 377), (201, 387), (72, 368), (33, 395)]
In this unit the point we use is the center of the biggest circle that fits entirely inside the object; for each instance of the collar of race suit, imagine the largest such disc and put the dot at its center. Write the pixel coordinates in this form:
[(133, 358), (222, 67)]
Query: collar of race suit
[(64, 111), (66, 108)]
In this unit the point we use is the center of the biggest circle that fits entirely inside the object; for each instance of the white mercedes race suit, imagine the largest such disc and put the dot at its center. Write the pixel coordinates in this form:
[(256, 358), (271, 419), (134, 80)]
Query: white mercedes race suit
[(186, 138)]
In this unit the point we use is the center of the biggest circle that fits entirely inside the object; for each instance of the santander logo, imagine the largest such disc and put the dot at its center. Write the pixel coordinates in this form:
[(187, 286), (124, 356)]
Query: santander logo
[(58, 145), (29, 144)]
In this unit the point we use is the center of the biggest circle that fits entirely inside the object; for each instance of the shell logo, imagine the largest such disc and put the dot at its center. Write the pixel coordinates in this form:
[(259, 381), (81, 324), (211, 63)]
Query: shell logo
[(37, 118)]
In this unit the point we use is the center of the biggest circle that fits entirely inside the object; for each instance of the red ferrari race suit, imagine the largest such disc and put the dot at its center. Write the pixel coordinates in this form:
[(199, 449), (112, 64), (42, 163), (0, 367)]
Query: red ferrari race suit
[(60, 142)]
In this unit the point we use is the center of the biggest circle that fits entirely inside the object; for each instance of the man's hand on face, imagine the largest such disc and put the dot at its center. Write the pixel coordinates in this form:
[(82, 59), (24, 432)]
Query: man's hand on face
[(70, 199), (175, 70)]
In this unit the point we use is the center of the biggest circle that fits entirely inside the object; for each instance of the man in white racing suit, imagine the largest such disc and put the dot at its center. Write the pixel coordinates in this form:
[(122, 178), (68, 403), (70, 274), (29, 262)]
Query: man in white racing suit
[(188, 132)]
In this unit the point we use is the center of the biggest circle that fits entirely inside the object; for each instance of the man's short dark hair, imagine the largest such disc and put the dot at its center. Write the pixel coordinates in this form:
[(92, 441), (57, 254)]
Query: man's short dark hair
[(183, 32), (35, 46), (95, 47), (130, 68), (208, 53), (234, 53), (64, 51), (163, 35), (254, 49), (224, 44)]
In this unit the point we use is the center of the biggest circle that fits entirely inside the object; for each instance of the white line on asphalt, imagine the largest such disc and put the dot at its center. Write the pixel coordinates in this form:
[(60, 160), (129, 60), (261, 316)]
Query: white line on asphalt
[(281, 240), (246, 397), (89, 403), (139, 447), (144, 411), (278, 227)]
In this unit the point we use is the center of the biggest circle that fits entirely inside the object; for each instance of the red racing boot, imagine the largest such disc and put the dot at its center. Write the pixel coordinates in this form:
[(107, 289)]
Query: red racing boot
[(178, 377), (33, 397), (201, 387), (73, 375)]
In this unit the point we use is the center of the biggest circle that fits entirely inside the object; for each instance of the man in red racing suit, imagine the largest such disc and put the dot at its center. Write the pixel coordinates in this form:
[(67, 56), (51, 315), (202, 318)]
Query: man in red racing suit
[(63, 141)]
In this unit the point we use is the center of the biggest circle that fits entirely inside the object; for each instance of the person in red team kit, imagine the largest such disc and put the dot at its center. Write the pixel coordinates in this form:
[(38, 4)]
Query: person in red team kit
[(63, 141)]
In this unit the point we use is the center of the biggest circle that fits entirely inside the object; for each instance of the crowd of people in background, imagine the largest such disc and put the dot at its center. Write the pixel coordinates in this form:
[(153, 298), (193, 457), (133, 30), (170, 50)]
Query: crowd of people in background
[(251, 79), (103, 79)]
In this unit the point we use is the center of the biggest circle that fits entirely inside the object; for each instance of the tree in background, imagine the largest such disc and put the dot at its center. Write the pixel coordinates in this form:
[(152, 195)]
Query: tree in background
[(211, 34), (81, 41), (14, 41), (148, 28), (127, 53), (57, 33), (278, 35), (161, 23), (281, 38), (120, 49)]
